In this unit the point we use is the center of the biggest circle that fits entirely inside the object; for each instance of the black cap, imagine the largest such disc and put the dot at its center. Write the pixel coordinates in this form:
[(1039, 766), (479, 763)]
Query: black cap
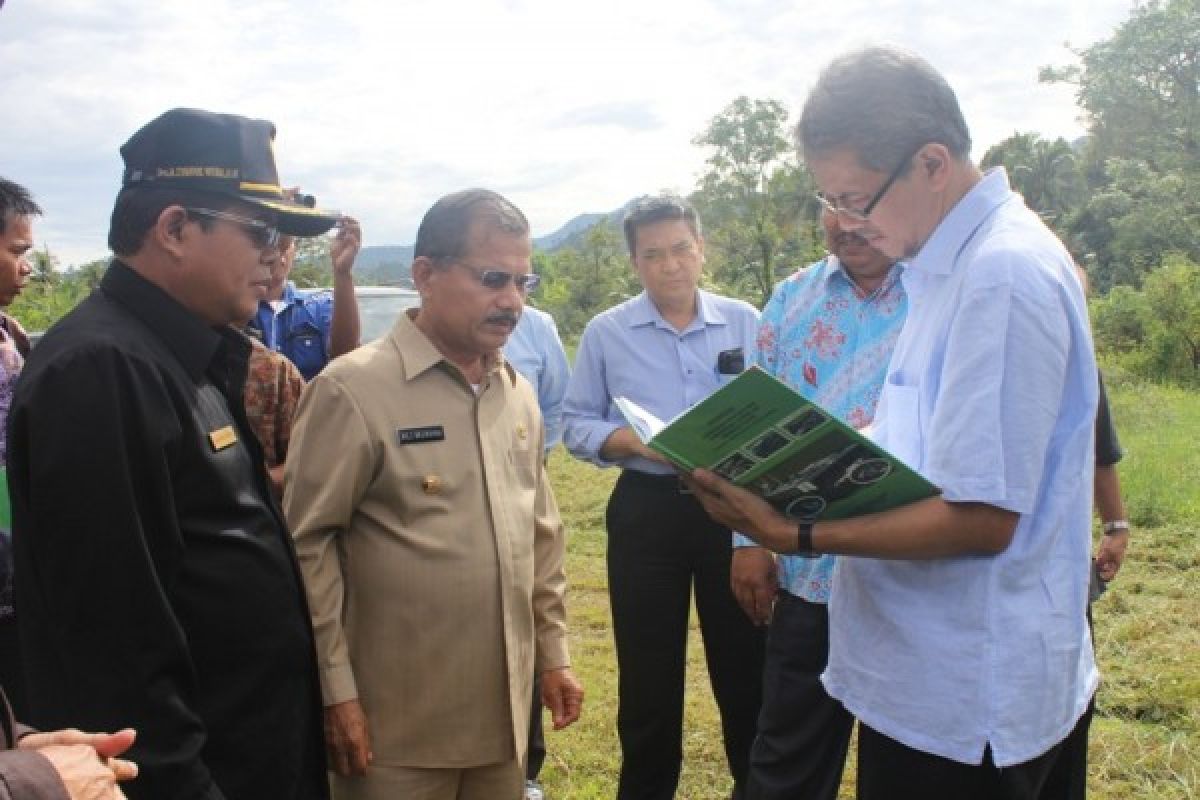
[(222, 153)]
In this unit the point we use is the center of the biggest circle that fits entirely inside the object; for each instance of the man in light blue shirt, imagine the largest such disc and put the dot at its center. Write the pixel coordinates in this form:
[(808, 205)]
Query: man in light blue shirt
[(665, 349), (958, 636), (536, 351), (828, 332)]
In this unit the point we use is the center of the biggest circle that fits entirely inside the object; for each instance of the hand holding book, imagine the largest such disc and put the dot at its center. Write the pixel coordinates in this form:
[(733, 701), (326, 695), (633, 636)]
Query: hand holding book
[(761, 435)]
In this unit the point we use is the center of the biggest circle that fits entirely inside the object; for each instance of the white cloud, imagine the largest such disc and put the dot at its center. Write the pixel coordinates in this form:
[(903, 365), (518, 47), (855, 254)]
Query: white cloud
[(569, 107)]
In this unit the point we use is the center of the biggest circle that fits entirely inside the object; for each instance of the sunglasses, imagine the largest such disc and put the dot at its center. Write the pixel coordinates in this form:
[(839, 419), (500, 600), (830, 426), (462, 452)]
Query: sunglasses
[(497, 279), (262, 235)]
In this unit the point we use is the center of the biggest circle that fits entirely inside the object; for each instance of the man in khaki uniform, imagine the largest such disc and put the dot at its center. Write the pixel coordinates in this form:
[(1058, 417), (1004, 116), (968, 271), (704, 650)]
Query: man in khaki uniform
[(429, 538)]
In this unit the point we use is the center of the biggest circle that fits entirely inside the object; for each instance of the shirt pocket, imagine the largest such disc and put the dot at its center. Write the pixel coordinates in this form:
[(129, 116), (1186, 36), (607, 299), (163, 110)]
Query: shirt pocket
[(305, 347), (524, 457), (901, 428)]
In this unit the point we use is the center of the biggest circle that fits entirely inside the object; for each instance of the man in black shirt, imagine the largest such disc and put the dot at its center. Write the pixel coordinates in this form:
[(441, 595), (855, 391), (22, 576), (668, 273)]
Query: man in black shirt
[(155, 577)]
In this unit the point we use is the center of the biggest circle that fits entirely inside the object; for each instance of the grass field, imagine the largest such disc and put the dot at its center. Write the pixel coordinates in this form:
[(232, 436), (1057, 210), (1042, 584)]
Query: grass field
[(1146, 737)]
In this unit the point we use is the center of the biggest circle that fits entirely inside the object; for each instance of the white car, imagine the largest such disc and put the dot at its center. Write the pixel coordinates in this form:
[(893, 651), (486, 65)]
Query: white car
[(379, 306)]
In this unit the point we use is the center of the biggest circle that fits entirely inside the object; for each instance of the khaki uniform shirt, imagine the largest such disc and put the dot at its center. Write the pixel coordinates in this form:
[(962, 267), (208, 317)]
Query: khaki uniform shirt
[(431, 547)]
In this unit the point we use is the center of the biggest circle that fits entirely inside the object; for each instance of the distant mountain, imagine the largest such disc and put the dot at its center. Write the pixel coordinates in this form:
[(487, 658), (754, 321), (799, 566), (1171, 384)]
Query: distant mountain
[(388, 265), (391, 264), (384, 254), (570, 231)]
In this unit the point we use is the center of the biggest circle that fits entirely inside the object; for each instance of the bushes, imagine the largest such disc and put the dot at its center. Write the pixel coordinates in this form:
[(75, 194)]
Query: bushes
[(1154, 332)]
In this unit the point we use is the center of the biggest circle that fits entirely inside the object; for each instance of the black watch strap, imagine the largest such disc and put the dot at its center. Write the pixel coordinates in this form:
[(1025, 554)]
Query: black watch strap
[(804, 542)]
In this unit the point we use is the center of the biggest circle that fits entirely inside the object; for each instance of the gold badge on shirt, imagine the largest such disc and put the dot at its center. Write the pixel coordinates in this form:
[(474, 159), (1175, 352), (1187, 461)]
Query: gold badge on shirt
[(222, 438)]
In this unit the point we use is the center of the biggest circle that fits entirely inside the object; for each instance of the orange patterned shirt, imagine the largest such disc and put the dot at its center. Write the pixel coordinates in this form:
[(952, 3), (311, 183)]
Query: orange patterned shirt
[(273, 386)]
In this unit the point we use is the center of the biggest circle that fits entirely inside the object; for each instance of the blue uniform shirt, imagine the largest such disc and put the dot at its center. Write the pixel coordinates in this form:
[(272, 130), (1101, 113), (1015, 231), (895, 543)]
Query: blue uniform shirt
[(301, 329)]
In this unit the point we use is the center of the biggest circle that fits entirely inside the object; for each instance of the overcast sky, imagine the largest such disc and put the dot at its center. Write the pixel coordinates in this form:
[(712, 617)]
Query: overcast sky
[(562, 105)]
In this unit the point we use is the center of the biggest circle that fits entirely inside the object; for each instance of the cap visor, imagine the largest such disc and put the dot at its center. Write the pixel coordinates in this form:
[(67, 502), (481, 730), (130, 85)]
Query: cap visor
[(297, 220)]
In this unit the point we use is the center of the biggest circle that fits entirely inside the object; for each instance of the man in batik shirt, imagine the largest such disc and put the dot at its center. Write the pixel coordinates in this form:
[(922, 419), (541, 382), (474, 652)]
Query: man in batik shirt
[(828, 332), (273, 386)]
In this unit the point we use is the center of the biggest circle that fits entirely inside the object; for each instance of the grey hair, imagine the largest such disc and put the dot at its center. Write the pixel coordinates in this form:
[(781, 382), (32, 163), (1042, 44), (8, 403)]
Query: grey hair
[(443, 234), (882, 103)]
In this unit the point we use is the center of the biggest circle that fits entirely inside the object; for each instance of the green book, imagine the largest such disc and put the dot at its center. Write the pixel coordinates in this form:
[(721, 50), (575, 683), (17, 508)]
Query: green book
[(759, 433)]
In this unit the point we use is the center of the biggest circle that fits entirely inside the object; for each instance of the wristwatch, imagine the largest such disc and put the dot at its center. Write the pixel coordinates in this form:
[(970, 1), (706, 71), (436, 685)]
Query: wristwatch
[(804, 542), (1114, 525)]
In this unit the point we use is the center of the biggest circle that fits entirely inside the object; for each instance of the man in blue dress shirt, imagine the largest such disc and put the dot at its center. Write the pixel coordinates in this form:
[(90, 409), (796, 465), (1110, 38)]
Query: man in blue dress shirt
[(536, 351), (665, 349), (957, 635)]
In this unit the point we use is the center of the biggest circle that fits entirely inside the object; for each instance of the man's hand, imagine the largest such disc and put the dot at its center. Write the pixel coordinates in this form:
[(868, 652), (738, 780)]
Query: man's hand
[(742, 510), (346, 738), (104, 746), (562, 693), (754, 579), (1110, 554), (84, 773), (624, 443), (346, 245)]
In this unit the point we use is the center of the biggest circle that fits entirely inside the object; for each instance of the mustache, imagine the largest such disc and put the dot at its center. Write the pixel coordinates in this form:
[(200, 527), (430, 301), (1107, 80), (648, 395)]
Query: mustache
[(849, 237), (503, 317)]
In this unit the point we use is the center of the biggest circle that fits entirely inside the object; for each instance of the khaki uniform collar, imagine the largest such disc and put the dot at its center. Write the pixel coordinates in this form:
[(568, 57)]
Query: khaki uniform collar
[(419, 355)]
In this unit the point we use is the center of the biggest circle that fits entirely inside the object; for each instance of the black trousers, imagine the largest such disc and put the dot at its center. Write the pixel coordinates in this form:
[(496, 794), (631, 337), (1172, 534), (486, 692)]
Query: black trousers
[(1068, 777), (661, 547), (537, 733), (889, 770), (803, 733), (12, 671)]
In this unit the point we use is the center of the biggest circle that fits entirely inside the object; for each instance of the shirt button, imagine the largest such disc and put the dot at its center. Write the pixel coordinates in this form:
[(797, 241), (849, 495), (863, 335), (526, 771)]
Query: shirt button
[(431, 484)]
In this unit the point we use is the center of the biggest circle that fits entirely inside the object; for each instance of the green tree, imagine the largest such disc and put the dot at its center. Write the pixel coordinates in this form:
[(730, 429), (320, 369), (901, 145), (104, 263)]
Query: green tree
[(580, 282), (1043, 171), (1141, 87), (1173, 292), (45, 266), (51, 292), (312, 267), (1154, 332), (1136, 217), (752, 197), (1141, 91)]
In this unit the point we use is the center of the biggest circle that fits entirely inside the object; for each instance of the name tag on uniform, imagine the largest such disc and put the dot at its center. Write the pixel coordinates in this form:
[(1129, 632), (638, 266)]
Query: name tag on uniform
[(430, 433), (222, 438)]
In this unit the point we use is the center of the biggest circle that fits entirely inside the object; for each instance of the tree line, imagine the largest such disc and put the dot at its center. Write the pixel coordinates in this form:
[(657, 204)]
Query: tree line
[(1125, 199)]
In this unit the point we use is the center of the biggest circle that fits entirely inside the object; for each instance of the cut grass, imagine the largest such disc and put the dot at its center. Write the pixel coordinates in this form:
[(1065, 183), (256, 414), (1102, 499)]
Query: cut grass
[(1145, 739)]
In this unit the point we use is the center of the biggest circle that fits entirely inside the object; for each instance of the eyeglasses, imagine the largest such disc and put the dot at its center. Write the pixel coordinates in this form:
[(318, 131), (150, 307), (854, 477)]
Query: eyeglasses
[(861, 215), (262, 235), (497, 279)]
